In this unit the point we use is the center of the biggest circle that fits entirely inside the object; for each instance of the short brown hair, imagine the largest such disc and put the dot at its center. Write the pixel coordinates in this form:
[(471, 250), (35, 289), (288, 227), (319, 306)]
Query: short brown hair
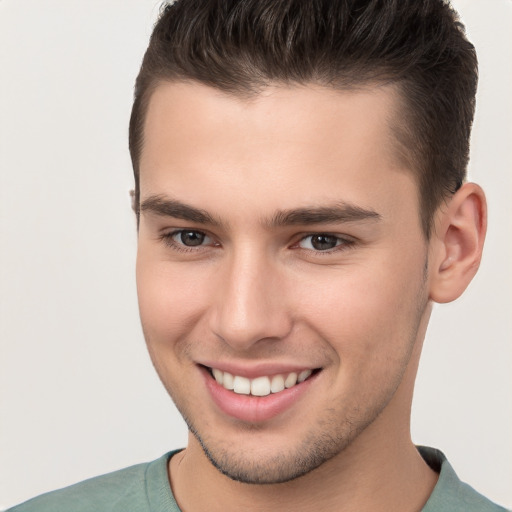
[(241, 46)]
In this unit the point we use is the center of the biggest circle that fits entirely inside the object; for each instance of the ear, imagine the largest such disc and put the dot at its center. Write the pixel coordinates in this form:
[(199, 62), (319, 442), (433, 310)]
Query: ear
[(132, 200), (457, 242)]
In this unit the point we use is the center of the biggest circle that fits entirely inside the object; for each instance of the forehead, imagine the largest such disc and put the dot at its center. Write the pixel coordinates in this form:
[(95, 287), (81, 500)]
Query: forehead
[(290, 112), (283, 144)]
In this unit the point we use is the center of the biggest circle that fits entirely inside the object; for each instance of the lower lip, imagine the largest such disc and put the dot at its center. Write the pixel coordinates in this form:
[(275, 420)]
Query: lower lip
[(254, 409)]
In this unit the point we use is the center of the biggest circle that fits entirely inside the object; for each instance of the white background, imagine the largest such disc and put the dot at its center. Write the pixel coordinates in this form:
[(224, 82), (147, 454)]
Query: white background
[(78, 394)]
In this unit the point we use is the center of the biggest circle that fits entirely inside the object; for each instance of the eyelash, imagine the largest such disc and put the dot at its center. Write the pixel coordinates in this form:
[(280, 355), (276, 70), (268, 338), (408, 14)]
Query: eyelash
[(343, 243), (168, 239)]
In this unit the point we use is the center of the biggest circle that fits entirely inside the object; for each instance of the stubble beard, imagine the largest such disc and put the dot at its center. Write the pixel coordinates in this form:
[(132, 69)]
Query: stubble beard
[(326, 439)]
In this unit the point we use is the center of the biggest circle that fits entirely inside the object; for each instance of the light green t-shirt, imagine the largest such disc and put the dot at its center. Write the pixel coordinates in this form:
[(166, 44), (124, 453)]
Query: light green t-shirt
[(145, 488)]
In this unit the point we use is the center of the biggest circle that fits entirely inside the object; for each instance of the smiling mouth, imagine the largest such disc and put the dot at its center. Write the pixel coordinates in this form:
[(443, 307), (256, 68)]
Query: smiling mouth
[(260, 386)]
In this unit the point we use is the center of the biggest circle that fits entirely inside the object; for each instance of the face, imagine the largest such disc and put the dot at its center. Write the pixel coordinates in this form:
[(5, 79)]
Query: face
[(281, 271)]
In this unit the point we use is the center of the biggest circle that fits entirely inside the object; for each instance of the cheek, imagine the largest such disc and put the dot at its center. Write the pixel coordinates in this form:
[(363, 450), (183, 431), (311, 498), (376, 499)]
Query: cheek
[(171, 302), (369, 315), (171, 298)]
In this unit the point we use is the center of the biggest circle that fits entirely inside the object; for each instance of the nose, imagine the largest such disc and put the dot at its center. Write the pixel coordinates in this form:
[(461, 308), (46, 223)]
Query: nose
[(250, 304)]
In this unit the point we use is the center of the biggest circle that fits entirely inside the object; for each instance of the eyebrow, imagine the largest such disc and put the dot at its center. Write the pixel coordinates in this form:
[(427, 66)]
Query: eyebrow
[(341, 212), (338, 213), (167, 207)]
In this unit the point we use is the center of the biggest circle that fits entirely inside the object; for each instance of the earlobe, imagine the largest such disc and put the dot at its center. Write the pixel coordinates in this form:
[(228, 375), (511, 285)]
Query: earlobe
[(457, 243)]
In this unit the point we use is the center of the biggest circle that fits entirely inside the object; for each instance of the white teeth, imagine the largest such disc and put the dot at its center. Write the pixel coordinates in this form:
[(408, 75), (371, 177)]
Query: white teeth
[(291, 380), (219, 375), (241, 385), (277, 384), (303, 375), (260, 386), (227, 381)]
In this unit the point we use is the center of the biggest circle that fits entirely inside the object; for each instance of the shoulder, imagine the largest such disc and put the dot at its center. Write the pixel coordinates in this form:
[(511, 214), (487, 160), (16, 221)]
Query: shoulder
[(110, 492), (450, 493)]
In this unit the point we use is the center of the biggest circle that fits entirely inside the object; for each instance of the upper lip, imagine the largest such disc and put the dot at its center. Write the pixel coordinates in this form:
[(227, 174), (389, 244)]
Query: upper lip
[(252, 370)]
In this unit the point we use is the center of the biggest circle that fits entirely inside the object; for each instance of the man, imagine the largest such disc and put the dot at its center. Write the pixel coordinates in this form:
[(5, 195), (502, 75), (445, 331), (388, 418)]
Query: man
[(301, 203)]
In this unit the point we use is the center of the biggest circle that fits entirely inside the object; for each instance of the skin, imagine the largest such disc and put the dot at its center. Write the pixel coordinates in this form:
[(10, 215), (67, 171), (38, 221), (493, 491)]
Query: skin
[(257, 292)]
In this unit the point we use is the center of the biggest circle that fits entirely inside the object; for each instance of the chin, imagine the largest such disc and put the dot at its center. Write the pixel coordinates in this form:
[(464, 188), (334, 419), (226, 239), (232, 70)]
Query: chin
[(258, 463)]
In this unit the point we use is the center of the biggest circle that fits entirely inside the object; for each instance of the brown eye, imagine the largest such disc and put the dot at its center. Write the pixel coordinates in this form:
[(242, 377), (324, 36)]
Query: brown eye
[(320, 242), (190, 238)]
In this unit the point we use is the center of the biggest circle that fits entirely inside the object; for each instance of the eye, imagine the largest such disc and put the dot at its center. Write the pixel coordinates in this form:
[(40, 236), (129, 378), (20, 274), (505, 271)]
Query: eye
[(190, 238), (321, 242)]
